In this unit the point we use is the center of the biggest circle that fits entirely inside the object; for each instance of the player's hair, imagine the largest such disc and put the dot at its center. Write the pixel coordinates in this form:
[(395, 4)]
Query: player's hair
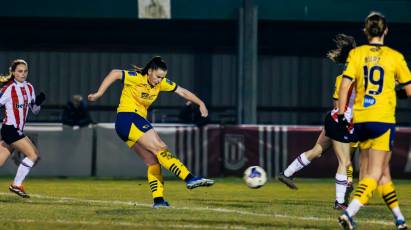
[(344, 44), (375, 24), (12, 68), (155, 63)]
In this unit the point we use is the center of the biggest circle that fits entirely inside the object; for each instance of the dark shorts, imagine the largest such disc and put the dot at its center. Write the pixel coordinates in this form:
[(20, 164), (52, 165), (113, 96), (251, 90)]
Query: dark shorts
[(333, 131), (375, 135), (131, 126), (10, 134)]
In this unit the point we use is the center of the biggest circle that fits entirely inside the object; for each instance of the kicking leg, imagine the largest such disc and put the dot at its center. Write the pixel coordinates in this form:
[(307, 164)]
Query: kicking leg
[(304, 159), (153, 143)]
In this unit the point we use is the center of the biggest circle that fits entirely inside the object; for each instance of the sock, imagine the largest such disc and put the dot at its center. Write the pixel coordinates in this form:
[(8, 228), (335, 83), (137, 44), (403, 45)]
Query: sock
[(364, 190), (349, 173), (388, 194), (24, 169), (171, 163), (155, 181), (340, 187), (300, 162), (354, 207)]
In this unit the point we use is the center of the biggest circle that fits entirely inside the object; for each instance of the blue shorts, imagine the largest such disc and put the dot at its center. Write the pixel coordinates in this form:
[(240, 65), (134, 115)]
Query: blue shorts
[(131, 126), (375, 135)]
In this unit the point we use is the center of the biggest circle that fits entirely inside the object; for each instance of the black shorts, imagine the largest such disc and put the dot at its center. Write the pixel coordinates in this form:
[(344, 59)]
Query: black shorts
[(333, 131), (10, 134)]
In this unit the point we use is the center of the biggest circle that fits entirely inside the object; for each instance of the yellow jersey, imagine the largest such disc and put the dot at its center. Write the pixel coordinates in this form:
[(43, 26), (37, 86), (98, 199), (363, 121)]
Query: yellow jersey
[(137, 94), (375, 69), (337, 87)]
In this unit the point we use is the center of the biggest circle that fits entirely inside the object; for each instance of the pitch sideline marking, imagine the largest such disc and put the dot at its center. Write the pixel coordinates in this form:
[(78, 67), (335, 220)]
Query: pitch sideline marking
[(220, 210), (121, 223)]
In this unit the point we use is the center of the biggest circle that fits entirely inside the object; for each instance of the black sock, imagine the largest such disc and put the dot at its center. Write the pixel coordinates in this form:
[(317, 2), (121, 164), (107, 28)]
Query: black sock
[(158, 200), (189, 177)]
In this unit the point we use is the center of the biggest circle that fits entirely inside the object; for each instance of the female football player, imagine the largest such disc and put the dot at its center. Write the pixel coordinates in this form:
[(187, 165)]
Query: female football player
[(373, 69), (140, 90), (331, 135), (17, 96)]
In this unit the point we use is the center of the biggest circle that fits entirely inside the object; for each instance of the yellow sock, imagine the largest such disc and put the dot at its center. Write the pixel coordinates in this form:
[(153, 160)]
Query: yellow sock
[(389, 195), (364, 190), (349, 173), (174, 165), (155, 181)]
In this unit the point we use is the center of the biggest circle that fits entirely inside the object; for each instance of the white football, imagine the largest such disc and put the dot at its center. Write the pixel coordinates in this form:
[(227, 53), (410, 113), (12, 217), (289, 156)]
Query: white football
[(255, 177)]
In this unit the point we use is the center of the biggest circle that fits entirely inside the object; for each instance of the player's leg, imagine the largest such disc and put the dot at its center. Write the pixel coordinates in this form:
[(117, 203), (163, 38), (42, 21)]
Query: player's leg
[(5, 151), (342, 151), (350, 172), (153, 143), (133, 128), (378, 159), (304, 159), (387, 191), (154, 176), (26, 147)]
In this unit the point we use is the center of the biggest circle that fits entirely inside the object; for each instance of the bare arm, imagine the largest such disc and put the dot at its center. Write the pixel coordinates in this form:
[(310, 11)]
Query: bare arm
[(407, 89), (335, 103), (343, 94), (193, 98), (114, 75)]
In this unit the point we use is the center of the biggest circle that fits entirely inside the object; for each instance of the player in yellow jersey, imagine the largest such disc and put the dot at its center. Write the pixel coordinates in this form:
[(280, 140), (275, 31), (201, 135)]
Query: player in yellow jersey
[(140, 90), (331, 135), (374, 69)]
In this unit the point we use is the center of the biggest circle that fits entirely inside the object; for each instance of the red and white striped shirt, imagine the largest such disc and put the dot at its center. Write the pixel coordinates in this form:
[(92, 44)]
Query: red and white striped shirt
[(348, 114), (17, 97)]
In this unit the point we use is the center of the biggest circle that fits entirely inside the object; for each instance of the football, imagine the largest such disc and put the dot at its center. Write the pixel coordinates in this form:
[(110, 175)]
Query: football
[(255, 177)]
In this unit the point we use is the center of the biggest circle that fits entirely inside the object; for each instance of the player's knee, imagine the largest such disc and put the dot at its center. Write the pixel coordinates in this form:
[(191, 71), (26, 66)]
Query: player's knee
[(312, 154), (34, 158), (150, 160), (159, 145)]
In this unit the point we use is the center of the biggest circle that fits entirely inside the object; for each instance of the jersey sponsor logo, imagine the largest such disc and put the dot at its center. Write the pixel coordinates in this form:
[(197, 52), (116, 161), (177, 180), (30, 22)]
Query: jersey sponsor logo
[(147, 96), (369, 101), (21, 106), (132, 73), (169, 82)]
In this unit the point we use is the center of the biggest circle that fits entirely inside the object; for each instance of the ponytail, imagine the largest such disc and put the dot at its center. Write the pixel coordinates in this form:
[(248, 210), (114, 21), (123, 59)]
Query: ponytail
[(344, 45)]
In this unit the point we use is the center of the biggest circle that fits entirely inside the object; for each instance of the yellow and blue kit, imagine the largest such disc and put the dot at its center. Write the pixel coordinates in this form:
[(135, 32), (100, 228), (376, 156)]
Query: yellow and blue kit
[(136, 97), (375, 69)]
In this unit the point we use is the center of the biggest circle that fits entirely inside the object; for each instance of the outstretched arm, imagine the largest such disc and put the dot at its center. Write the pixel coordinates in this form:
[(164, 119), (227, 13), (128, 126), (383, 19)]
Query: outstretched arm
[(114, 75), (193, 98)]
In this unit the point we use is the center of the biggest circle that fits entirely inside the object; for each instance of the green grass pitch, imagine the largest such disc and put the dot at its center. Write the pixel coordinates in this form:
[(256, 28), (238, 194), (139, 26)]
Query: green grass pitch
[(126, 204)]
